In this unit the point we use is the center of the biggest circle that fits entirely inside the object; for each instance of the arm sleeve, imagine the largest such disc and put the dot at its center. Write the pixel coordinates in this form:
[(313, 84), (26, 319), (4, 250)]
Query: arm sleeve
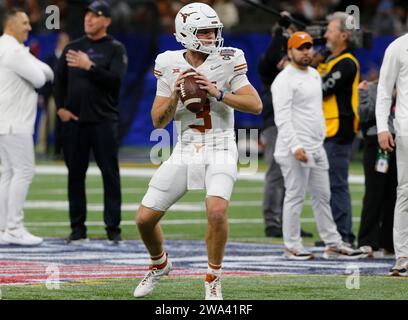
[(25, 65), (342, 74), (282, 96), (388, 76), (60, 85), (111, 79)]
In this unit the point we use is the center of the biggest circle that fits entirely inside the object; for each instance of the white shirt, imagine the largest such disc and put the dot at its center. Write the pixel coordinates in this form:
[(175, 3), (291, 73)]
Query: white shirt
[(394, 70), (20, 74), (298, 107), (226, 68)]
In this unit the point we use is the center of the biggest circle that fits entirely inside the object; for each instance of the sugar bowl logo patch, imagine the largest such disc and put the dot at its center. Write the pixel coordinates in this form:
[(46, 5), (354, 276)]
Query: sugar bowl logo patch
[(226, 54)]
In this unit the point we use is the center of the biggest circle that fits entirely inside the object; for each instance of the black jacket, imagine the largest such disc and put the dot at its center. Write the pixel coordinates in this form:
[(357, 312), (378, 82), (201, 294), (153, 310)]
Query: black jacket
[(92, 95), (268, 70)]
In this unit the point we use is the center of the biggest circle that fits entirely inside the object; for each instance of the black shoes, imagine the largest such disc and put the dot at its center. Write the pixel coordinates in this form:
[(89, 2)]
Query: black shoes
[(305, 234), (273, 232), (115, 239), (76, 239)]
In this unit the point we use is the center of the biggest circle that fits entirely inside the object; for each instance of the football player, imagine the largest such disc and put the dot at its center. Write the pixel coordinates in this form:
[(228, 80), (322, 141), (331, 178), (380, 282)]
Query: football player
[(205, 155)]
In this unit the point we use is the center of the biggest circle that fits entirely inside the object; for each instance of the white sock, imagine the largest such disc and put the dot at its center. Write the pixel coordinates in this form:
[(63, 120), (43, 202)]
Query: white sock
[(159, 260), (214, 270)]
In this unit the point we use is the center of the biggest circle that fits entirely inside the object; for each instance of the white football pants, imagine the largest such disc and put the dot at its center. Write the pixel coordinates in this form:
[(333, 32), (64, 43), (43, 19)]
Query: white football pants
[(17, 172), (299, 179)]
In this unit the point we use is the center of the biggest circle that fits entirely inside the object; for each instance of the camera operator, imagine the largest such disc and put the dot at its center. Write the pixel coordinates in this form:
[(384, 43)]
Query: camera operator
[(270, 64), (340, 73)]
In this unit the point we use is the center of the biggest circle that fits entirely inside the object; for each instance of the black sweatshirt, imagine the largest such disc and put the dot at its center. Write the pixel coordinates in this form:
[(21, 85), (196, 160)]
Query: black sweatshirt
[(268, 70), (92, 95)]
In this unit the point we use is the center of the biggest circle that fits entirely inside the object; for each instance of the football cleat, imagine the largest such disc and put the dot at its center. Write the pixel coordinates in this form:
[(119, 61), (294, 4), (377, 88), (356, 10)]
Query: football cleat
[(151, 278), (212, 287)]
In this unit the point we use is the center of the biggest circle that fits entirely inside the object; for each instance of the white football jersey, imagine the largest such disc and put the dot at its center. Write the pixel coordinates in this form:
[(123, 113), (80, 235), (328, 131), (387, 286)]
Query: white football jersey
[(226, 69)]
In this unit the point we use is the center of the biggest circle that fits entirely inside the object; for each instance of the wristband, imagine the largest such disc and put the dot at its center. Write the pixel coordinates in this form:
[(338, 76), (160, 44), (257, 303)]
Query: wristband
[(221, 96)]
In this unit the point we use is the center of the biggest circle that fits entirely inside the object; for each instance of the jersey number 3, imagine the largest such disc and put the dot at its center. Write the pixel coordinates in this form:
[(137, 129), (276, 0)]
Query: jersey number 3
[(205, 115)]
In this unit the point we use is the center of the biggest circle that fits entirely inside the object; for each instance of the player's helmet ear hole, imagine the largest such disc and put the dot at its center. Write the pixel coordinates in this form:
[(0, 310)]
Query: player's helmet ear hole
[(183, 34)]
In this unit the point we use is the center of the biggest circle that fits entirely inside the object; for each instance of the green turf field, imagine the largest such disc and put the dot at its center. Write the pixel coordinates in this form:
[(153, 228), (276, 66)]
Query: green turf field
[(246, 225), (254, 288)]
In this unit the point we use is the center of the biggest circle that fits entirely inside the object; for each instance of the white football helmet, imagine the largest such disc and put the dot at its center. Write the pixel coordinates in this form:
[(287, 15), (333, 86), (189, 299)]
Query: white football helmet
[(198, 16)]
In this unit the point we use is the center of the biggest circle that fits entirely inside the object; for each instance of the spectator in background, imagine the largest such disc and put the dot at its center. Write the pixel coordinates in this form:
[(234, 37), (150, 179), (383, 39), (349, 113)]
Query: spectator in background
[(385, 21), (341, 74), (88, 81), (228, 13), (377, 214), (20, 75)]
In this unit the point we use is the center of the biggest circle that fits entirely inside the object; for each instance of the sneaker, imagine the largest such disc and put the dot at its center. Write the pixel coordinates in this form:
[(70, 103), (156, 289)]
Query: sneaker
[(114, 240), (76, 240), (21, 237), (343, 251), (298, 254), (368, 250), (212, 287), (400, 268), (150, 280)]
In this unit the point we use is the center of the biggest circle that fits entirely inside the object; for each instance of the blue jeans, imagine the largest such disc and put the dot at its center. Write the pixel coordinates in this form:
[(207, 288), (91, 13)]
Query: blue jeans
[(340, 202)]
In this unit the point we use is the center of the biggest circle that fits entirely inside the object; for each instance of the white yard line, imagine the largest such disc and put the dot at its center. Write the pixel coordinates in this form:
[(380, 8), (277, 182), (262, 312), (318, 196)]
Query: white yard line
[(180, 206), (163, 222), (148, 172), (63, 191)]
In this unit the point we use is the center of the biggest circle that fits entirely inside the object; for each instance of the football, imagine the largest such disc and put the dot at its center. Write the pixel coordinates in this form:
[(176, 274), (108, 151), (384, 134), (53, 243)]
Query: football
[(192, 97)]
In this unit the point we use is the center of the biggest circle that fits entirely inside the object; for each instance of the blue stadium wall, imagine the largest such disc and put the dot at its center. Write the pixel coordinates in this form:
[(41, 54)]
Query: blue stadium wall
[(139, 87)]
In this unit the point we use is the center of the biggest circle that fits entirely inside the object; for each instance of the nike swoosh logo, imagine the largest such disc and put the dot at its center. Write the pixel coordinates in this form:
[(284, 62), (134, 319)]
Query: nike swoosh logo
[(215, 67)]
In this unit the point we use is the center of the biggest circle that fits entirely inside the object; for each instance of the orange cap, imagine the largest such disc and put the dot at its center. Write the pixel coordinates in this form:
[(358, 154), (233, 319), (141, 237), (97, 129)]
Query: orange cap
[(299, 38)]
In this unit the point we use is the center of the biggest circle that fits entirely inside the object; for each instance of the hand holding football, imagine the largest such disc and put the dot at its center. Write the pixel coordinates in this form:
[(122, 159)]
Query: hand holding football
[(191, 95)]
